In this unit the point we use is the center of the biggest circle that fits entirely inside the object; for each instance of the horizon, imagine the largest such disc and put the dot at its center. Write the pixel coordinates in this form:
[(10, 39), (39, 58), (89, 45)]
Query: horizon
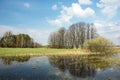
[(39, 18)]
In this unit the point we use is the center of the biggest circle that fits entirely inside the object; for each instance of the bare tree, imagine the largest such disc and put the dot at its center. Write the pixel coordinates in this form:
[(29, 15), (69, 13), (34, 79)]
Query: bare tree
[(61, 33), (76, 35), (56, 39)]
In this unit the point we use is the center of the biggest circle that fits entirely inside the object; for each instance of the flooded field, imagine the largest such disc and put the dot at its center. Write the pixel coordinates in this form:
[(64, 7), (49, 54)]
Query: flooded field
[(90, 67)]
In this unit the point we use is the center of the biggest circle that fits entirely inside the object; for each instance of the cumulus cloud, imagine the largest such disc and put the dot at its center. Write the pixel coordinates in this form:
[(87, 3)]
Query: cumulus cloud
[(54, 7), (98, 25), (109, 7), (62, 19), (110, 30), (26, 5), (37, 35), (117, 36), (78, 11), (85, 2), (108, 27), (68, 13)]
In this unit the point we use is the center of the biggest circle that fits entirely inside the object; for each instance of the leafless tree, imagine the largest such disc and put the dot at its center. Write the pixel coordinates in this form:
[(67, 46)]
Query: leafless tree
[(76, 35)]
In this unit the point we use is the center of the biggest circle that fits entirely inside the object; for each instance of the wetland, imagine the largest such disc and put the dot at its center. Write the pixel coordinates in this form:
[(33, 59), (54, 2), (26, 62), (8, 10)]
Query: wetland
[(67, 67)]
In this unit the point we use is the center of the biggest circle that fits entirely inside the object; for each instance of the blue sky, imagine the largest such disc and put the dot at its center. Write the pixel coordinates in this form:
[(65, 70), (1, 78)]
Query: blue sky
[(39, 18)]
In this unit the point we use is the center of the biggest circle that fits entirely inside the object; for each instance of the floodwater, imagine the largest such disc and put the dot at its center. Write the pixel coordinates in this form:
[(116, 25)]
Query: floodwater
[(90, 67)]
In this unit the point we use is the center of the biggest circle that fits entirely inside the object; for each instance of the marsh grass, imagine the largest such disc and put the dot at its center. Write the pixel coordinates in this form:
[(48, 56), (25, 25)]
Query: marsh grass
[(45, 51), (37, 51)]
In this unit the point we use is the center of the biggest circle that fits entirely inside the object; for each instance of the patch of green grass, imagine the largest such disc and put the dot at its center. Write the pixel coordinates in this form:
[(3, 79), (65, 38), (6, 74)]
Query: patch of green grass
[(36, 51), (41, 51)]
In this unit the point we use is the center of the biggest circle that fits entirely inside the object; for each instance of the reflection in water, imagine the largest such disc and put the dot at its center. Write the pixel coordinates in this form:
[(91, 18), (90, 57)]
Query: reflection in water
[(96, 61), (90, 67), (76, 67), (84, 66), (36, 68), (8, 59)]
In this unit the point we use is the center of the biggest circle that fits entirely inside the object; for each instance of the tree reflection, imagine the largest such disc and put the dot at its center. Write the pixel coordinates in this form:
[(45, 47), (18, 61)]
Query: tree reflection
[(76, 67), (82, 65), (8, 60)]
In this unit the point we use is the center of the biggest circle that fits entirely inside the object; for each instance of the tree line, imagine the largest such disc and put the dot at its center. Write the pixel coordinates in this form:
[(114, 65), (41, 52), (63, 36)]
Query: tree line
[(18, 41), (78, 35), (74, 37)]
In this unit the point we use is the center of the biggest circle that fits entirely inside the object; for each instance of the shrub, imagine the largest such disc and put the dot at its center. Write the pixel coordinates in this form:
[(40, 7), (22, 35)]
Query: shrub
[(99, 44)]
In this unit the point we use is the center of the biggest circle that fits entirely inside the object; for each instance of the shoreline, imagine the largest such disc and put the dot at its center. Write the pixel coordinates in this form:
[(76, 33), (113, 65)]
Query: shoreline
[(46, 52)]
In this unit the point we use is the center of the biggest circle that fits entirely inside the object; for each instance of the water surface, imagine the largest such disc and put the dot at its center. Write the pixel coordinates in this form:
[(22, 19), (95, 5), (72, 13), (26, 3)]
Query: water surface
[(91, 67)]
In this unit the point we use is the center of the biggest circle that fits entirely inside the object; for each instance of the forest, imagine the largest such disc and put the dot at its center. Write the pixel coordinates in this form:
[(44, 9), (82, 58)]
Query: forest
[(17, 41)]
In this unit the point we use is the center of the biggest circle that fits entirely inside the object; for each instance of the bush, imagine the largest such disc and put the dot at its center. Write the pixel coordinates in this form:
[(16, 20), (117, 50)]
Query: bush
[(99, 44)]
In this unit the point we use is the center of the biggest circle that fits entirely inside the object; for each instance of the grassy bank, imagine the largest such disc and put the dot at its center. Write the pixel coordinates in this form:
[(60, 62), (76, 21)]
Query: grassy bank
[(41, 51), (37, 51)]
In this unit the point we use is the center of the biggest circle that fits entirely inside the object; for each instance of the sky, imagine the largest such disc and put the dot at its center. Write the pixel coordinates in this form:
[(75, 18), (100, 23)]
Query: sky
[(39, 18)]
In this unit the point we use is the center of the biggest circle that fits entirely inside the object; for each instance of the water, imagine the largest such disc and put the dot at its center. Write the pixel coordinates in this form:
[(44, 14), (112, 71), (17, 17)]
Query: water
[(91, 67)]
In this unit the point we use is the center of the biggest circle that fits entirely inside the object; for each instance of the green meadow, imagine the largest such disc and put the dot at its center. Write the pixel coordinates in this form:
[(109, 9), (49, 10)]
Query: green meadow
[(44, 51), (37, 51)]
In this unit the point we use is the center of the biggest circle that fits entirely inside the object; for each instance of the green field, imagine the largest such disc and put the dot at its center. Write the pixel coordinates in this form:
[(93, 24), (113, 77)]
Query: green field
[(37, 51), (42, 51)]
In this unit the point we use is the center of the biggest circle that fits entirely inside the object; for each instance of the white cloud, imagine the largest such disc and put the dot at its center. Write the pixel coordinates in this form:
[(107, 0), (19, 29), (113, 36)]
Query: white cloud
[(109, 7), (62, 19), (98, 25), (117, 36), (110, 30), (26, 5), (78, 11), (68, 13), (84, 2), (37, 35), (54, 7), (107, 27)]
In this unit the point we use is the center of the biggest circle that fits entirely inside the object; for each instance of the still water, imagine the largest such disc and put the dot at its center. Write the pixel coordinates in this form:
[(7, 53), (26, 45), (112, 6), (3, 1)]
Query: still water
[(91, 67)]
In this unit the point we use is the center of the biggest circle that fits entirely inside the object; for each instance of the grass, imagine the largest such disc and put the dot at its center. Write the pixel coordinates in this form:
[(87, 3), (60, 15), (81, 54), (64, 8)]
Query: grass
[(36, 51), (101, 62), (41, 51)]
